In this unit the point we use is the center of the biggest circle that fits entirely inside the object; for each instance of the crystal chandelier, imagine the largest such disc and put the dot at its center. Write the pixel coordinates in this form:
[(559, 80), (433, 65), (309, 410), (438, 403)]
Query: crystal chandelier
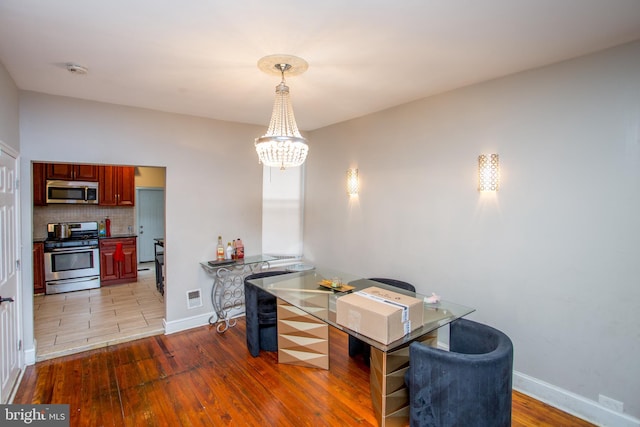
[(282, 146)]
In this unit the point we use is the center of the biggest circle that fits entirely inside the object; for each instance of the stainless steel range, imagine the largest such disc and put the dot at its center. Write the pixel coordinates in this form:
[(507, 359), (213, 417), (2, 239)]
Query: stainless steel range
[(71, 258)]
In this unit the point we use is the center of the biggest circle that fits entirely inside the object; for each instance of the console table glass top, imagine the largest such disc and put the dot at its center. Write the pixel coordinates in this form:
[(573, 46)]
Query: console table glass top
[(212, 266), (302, 290)]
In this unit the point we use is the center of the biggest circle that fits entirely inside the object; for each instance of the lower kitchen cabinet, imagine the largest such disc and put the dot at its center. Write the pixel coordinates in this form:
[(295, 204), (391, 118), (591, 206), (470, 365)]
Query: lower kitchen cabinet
[(38, 268), (114, 271)]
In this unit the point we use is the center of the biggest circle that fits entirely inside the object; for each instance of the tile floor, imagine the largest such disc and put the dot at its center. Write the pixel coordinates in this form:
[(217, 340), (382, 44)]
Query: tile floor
[(77, 321)]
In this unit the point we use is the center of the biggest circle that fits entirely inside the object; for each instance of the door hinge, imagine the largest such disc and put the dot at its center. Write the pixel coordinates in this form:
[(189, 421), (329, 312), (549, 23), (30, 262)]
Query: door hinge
[(19, 345), (17, 184), (18, 264)]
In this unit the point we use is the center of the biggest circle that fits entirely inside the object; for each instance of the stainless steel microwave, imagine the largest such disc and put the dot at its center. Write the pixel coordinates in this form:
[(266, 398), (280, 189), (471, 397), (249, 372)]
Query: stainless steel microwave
[(80, 192)]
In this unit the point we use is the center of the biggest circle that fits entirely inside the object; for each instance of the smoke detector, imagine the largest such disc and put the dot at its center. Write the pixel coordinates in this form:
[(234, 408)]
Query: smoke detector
[(76, 69)]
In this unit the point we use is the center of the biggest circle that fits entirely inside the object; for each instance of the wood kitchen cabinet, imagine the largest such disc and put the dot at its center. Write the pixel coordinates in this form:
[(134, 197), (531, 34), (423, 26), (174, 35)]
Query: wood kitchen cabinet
[(39, 184), (38, 268), (115, 272), (116, 186), (72, 172)]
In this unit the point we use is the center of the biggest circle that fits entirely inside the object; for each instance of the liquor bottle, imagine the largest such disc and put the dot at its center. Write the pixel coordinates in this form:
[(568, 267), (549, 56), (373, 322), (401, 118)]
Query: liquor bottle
[(220, 250), (101, 230), (239, 249), (229, 253), (107, 225)]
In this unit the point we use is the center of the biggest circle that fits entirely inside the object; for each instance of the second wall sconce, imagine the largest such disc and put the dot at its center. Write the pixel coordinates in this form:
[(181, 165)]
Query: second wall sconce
[(488, 172), (353, 184)]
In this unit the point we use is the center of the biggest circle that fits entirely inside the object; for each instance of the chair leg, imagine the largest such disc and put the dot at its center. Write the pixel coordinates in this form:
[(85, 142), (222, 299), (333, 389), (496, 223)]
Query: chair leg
[(355, 346), (268, 338)]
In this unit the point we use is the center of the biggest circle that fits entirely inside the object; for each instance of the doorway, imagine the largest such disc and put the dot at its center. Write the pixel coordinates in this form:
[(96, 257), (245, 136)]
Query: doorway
[(90, 319), (150, 221)]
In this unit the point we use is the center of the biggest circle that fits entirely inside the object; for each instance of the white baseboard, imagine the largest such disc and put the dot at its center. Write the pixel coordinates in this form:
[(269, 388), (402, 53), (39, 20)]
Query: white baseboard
[(572, 403), (186, 323), (199, 320), (30, 355)]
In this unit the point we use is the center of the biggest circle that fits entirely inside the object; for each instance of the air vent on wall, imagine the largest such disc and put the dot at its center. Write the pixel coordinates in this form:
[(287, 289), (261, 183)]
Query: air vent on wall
[(194, 299)]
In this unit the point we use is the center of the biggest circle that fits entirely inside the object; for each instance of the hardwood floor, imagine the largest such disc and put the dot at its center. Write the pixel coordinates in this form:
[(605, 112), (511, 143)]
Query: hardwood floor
[(202, 378)]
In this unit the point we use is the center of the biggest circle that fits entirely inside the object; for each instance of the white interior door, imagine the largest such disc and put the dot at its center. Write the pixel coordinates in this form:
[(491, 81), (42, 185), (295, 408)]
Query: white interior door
[(10, 362), (150, 219)]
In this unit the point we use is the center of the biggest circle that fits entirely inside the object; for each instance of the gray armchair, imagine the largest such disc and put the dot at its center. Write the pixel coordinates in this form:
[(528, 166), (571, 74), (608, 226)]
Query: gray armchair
[(469, 385), (260, 315)]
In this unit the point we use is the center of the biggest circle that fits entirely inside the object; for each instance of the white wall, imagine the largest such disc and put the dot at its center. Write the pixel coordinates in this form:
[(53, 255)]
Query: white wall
[(213, 179), (9, 129), (552, 259)]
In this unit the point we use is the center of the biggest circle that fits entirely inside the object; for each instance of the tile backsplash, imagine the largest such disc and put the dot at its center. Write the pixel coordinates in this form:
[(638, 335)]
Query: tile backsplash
[(121, 217)]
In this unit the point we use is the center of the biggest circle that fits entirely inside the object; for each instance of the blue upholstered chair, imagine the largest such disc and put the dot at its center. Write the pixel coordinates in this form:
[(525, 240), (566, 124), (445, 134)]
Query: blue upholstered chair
[(357, 346), (469, 385), (261, 315)]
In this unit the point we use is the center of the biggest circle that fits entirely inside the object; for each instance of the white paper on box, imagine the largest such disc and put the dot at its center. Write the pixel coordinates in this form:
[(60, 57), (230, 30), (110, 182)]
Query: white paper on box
[(407, 327), (403, 307)]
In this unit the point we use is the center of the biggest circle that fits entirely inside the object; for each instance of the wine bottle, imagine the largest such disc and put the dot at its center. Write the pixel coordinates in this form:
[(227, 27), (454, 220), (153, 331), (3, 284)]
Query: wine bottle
[(220, 250)]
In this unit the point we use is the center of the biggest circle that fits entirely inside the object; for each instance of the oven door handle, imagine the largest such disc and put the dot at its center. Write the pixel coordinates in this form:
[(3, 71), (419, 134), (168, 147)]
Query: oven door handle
[(76, 249)]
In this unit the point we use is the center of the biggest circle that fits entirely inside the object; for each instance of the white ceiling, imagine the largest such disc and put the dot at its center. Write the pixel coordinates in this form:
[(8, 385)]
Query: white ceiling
[(198, 57)]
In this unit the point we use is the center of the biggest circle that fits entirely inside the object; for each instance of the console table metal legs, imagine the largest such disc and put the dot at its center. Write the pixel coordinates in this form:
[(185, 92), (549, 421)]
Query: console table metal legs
[(227, 292)]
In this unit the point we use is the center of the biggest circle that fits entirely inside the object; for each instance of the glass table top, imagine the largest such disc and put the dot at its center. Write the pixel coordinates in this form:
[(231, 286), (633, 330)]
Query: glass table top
[(305, 290)]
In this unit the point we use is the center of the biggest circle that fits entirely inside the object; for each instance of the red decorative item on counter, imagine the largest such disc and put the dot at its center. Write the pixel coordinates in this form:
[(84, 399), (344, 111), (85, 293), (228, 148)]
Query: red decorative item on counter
[(239, 249)]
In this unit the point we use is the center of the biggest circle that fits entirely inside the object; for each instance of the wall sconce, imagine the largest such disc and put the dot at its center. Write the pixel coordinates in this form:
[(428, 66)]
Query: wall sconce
[(353, 184), (488, 172)]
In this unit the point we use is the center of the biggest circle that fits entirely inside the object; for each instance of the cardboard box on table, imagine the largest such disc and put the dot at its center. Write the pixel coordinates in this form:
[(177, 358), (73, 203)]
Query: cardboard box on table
[(380, 314)]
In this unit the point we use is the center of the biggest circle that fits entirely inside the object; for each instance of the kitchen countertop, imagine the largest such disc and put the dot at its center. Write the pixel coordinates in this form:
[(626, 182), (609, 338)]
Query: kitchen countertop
[(118, 236), (113, 236)]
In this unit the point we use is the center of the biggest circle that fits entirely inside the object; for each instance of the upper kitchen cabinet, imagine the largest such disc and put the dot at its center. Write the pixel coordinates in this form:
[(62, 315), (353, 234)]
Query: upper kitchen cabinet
[(117, 186), (70, 172), (39, 184)]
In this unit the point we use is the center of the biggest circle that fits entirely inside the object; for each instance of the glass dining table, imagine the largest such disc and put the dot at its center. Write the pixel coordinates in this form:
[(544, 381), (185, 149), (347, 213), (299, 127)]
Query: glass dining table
[(307, 305)]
